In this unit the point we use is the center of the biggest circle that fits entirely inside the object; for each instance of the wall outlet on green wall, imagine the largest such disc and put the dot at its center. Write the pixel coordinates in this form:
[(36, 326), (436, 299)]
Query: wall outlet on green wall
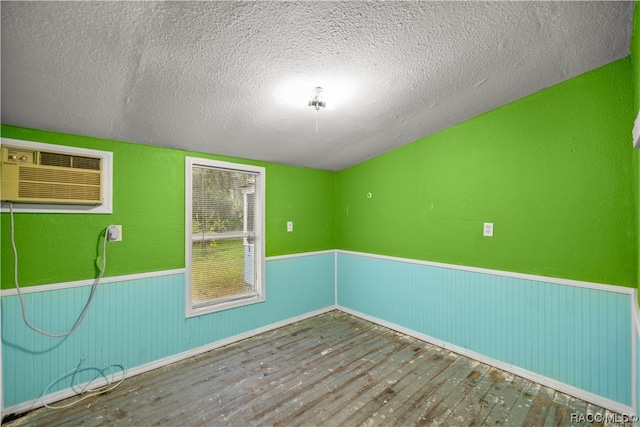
[(114, 233)]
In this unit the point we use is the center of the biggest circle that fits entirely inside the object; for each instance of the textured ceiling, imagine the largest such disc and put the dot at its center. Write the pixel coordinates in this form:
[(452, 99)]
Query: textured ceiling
[(214, 76)]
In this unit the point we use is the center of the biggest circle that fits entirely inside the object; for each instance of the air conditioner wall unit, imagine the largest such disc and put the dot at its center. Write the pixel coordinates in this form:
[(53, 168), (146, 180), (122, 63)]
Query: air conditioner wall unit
[(34, 176)]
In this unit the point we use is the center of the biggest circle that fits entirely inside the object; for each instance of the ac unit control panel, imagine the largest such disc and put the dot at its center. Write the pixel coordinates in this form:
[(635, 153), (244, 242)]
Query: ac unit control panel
[(16, 155)]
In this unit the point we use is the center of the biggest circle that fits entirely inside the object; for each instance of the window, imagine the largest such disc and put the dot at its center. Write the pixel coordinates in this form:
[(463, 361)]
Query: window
[(224, 235)]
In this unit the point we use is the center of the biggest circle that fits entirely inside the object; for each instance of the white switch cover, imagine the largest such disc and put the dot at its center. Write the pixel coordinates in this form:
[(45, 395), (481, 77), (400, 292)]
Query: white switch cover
[(488, 229), (289, 226)]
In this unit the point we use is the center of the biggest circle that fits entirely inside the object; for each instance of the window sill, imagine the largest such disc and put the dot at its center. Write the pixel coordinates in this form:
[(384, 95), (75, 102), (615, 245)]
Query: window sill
[(221, 306)]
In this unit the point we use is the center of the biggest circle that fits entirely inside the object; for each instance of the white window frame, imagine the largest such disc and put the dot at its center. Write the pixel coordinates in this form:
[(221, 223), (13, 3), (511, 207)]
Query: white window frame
[(107, 180), (259, 240)]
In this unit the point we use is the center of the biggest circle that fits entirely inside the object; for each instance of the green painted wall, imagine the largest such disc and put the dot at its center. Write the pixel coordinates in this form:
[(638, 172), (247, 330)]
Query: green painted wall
[(635, 55), (149, 203), (552, 171), (635, 61)]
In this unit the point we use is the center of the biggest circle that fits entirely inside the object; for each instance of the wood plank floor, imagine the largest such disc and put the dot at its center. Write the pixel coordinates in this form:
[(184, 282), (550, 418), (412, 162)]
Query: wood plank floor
[(329, 370)]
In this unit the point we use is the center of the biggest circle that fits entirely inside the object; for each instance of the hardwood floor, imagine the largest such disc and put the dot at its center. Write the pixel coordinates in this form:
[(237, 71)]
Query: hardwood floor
[(329, 370)]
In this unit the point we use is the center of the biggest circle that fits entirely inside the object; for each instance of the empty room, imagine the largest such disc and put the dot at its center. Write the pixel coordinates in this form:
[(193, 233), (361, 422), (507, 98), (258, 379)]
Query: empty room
[(320, 213)]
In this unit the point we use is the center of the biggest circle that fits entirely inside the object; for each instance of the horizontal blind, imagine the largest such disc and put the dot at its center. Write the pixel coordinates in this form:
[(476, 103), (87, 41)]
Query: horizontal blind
[(222, 227)]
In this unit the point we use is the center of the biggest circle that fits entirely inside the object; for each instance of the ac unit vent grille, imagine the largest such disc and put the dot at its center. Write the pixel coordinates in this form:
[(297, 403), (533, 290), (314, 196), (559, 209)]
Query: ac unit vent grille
[(31, 176), (44, 191), (51, 177), (59, 175), (69, 161), (55, 159), (85, 163)]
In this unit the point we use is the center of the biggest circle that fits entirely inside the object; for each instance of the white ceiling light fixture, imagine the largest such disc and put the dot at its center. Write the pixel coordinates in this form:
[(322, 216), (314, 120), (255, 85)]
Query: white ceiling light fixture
[(316, 99), (332, 91)]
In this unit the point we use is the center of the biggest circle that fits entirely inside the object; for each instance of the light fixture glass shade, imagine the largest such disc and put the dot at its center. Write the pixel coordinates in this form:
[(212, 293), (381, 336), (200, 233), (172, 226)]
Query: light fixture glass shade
[(300, 92)]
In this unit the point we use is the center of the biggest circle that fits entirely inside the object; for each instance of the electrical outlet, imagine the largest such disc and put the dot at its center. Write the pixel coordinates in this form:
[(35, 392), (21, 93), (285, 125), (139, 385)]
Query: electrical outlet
[(289, 226), (488, 229), (114, 233)]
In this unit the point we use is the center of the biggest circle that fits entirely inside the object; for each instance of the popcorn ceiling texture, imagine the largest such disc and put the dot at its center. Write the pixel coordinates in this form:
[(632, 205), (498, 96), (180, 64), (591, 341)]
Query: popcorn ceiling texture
[(203, 76)]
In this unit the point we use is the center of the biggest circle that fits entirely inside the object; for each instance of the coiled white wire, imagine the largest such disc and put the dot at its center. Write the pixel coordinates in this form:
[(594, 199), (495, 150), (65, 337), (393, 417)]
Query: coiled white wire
[(93, 288), (86, 391)]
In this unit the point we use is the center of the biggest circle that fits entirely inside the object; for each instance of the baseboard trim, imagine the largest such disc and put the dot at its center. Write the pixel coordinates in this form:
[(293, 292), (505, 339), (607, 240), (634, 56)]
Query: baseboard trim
[(546, 381), (66, 393)]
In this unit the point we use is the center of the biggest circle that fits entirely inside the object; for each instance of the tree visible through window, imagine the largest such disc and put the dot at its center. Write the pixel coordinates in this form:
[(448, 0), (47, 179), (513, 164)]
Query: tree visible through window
[(225, 229)]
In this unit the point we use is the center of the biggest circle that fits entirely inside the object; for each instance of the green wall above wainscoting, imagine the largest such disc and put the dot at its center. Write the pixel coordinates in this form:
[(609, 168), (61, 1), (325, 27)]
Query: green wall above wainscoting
[(148, 201), (635, 61), (635, 55), (553, 172)]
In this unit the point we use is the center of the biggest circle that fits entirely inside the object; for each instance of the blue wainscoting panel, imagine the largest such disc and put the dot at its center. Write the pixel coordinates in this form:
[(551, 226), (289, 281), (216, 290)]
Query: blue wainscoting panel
[(576, 335), (135, 322), (295, 286), (637, 407)]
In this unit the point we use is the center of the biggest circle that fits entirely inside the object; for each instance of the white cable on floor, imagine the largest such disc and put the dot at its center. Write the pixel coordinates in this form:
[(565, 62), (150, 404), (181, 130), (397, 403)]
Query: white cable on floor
[(93, 289), (85, 391)]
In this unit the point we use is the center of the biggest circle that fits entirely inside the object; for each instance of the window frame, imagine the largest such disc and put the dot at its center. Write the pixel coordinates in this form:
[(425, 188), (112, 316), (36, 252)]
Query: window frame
[(226, 303)]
